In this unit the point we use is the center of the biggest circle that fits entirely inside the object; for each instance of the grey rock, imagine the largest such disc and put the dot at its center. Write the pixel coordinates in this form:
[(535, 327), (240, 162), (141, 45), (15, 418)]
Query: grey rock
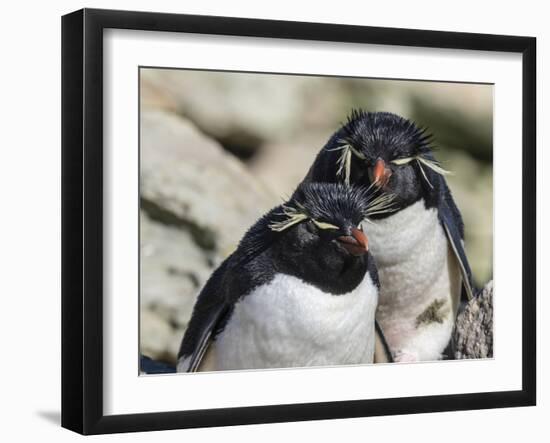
[(154, 96), (154, 336), (173, 268), (241, 110), (473, 333), (246, 111), (282, 166), (190, 182)]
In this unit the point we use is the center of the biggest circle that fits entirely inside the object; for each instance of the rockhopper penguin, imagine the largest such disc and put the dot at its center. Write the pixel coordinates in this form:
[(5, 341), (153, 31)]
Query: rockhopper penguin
[(418, 245), (301, 289)]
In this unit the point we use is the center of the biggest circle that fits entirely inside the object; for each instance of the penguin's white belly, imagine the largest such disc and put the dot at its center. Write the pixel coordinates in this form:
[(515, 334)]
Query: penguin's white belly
[(420, 282), (289, 323)]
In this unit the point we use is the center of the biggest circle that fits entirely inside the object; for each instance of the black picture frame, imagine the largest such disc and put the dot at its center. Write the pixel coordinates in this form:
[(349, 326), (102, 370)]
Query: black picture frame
[(82, 220)]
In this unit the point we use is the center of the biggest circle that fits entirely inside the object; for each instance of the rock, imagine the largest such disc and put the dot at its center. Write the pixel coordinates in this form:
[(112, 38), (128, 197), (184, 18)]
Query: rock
[(245, 112), (152, 96), (154, 335), (238, 109), (282, 166), (473, 333), (189, 182), (174, 268)]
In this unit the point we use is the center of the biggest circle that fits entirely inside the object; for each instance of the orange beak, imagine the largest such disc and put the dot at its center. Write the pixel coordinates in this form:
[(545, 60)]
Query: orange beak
[(360, 237), (380, 173), (356, 243)]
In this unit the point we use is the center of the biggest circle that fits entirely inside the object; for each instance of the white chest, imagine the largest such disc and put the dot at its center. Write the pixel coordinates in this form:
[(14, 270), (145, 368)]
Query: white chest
[(289, 323), (415, 268)]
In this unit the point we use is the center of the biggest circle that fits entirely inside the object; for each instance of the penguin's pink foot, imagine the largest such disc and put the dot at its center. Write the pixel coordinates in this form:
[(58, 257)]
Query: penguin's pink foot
[(405, 357)]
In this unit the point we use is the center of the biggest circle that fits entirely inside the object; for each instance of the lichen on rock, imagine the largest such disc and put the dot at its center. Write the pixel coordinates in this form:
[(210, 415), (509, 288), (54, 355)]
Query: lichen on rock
[(473, 332)]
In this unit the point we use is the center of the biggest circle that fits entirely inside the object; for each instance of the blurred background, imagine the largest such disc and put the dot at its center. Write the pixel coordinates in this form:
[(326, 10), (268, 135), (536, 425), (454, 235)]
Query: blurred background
[(218, 149)]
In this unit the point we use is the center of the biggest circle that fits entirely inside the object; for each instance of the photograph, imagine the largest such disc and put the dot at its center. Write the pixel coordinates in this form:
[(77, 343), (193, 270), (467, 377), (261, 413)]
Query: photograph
[(284, 220), (293, 221)]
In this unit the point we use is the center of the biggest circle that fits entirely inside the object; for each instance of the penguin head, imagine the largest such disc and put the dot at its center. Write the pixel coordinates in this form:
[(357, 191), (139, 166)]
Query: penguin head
[(331, 217), (320, 237), (389, 152)]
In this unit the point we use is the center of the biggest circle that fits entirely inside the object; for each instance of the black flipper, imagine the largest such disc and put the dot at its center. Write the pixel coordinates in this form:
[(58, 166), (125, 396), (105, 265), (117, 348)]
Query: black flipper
[(382, 351), (206, 338), (452, 225), (209, 315)]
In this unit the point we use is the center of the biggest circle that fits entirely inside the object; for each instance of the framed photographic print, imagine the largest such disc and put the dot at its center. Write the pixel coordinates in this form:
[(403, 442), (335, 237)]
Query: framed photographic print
[(269, 221)]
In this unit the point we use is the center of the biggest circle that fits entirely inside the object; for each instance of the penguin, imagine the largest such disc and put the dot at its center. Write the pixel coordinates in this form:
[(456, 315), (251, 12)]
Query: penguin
[(418, 244), (301, 289)]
